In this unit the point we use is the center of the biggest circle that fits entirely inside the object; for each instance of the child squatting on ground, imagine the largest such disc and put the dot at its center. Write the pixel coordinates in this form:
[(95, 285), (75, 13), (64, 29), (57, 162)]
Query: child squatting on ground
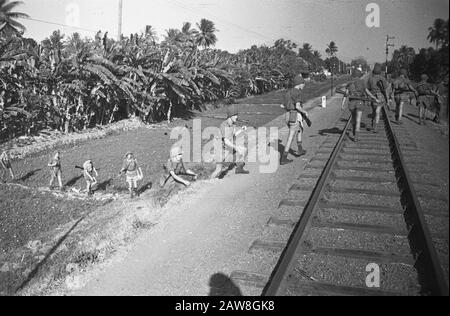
[(5, 161), (90, 175), (55, 170), (175, 167), (133, 173)]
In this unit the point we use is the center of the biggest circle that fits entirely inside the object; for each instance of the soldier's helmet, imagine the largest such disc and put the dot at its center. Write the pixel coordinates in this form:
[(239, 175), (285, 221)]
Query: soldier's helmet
[(423, 77), (232, 111), (376, 69)]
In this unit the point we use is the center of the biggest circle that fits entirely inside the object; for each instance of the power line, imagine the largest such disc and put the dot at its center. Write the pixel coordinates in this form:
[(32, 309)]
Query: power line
[(175, 2), (60, 24)]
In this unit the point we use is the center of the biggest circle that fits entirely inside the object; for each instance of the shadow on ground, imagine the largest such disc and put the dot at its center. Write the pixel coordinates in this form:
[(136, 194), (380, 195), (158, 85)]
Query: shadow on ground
[(222, 285)]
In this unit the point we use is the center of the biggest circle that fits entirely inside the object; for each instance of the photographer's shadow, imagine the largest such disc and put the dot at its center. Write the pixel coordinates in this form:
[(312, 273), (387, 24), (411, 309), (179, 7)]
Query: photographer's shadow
[(222, 285)]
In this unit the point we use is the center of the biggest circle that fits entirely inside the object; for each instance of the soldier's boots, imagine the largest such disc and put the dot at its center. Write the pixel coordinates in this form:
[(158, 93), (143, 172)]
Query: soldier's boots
[(240, 168), (284, 159), (300, 151)]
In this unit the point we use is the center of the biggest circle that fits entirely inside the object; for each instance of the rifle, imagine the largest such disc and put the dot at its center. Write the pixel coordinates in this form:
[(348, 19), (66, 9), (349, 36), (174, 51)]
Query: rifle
[(307, 119), (246, 122), (359, 98), (380, 84), (81, 168)]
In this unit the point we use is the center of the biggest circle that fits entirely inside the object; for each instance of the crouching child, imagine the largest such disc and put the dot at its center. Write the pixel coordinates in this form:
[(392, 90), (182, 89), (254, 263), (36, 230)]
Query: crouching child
[(175, 168), (133, 173)]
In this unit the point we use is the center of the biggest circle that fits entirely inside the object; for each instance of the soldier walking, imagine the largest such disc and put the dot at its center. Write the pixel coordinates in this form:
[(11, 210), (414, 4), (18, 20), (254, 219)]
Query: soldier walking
[(295, 115), (5, 161), (55, 170), (231, 153), (133, 173), (426, 98), (355, 91), (402, 89), (378, 91)]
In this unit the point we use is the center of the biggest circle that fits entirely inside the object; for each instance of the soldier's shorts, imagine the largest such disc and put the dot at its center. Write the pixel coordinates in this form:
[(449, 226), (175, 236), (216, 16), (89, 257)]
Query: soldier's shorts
[(380, 97), (425, 101), (356, 105), (403, 97), (296, 126)]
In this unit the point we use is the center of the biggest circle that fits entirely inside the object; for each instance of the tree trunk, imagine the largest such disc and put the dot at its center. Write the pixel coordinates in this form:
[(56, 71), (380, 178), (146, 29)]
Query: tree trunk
[(169, 112)]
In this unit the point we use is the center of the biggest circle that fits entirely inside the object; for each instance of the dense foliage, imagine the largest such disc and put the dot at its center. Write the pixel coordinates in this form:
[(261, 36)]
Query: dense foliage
[(432, 61), (74, 83)]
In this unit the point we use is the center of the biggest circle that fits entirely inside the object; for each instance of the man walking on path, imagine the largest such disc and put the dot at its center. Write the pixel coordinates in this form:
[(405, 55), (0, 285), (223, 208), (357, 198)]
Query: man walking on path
[(231, 153), (377, 90), (402, 88), (295, 114), (355, 91), (426, 98)]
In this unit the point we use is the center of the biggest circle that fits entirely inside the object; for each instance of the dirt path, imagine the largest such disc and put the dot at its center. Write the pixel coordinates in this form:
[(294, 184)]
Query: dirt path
[(205, 232)]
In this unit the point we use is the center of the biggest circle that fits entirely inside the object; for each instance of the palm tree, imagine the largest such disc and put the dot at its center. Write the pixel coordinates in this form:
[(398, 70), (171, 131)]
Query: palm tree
[(317, 54), (438, 33), (150, 33), (206, 36), (331, 49), (8, 23), (406, 56), (307, 47), (174, 37)]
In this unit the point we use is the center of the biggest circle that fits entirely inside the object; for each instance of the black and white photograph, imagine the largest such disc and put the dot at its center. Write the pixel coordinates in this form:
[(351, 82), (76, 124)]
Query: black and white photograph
[(224, 153)]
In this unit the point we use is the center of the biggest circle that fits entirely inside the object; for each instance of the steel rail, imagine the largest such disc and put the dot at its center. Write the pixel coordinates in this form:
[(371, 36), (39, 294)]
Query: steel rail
[(427, 263), (273, 288), (427, 260)]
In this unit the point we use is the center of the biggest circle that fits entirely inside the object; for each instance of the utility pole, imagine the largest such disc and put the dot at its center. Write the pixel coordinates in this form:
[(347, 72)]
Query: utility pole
[(388, 38), (119, 30)]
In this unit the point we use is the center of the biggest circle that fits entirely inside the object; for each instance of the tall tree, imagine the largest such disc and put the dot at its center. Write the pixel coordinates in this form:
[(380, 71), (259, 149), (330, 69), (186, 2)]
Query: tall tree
[(332, 49), (8, 18), (438, 33), (307, 47), (206, 36)]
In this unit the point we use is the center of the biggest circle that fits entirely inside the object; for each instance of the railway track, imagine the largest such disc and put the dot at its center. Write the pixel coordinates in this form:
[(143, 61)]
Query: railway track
[(360, 212)]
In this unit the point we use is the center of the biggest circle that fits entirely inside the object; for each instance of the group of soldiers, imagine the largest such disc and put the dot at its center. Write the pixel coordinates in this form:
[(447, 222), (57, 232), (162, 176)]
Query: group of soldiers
[(90, 174), (376, 91), (232, 155)]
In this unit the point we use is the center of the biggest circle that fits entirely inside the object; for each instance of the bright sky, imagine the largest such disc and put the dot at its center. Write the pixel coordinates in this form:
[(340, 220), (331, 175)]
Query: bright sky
[(242, 23)]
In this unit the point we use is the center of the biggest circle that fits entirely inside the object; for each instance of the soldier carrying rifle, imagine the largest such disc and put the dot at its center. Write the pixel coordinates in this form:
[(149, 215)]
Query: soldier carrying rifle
[(426, 98), (295, 114), (402, 89), (377, 90), (355, 91), (231, 153)]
